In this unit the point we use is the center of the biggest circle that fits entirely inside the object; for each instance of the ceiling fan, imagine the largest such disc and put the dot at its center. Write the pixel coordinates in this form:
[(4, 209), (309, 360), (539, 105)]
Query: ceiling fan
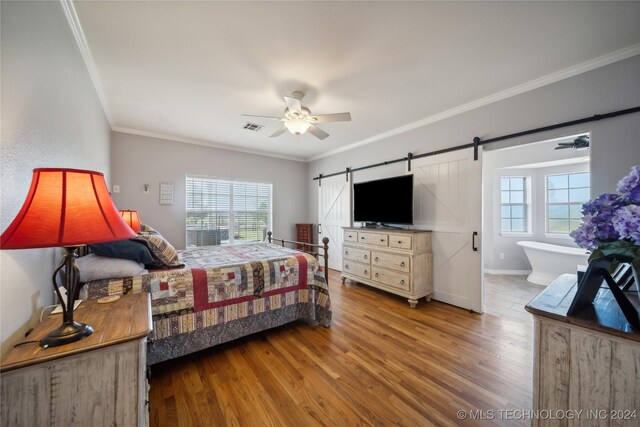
[(298, 119), (579, 142)]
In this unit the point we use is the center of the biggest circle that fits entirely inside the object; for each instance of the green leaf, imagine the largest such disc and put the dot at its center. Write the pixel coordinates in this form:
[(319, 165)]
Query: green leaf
[(595, 255), (620, 249)]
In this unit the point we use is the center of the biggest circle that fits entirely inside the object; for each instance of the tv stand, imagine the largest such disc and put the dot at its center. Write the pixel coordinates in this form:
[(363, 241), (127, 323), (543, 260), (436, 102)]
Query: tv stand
[(396, 261)]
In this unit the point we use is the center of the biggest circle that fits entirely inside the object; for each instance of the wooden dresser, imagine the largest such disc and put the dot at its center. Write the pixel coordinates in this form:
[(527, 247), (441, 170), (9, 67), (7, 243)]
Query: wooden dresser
[(97, 381), (304, 233), (589, 361), (397, 261)]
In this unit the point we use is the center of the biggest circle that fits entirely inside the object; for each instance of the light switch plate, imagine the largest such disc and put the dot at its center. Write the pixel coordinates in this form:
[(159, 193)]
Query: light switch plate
[(116, 189)]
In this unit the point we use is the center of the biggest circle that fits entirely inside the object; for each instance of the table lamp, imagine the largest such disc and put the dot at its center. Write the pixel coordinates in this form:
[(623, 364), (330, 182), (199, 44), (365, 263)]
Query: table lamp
[(66, 208), (131, 218)]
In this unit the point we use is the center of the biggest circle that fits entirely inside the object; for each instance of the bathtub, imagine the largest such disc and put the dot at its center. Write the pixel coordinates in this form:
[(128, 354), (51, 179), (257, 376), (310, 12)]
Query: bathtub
[(550, 261)]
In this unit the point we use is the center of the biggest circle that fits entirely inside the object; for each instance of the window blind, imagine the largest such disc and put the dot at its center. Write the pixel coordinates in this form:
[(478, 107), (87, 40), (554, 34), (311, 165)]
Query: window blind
[(227, 212)]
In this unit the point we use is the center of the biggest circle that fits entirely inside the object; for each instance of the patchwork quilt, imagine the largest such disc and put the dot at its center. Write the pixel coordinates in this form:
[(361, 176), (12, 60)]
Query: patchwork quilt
[(223, 293)]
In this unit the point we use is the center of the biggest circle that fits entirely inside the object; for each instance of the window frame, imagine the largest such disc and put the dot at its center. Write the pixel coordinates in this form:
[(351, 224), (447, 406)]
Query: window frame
[(526, 205), (568, 203), (232, 212)]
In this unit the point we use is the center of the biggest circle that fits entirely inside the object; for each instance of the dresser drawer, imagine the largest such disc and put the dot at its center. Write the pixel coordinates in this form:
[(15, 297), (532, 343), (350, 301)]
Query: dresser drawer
[(355, 254), (350, 236), (390, 278), (377, 239), (393, 261), (399, 241), (356, 269)]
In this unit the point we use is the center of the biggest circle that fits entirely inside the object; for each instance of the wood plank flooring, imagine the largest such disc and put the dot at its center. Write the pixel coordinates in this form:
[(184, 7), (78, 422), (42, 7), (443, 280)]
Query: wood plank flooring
[(381, 363)]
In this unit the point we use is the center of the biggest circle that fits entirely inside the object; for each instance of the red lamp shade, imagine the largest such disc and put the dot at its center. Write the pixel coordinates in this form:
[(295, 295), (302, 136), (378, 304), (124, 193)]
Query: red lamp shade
[(132, 219), (65, 207)]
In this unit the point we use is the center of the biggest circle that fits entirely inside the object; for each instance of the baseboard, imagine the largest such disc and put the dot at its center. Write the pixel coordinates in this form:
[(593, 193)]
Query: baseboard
[(508, 272)]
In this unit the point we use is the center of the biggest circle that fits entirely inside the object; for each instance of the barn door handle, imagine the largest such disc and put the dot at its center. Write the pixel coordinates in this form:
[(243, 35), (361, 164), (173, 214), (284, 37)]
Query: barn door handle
[(473, 241)]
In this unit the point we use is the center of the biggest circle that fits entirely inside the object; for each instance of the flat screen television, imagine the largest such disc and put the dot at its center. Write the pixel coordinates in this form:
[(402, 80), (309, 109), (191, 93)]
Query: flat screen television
[(384, 201)]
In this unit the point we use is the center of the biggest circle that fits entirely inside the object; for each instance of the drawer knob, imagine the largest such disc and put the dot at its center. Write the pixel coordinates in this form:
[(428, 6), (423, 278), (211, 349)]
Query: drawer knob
[(362, 237), (382, 240), (366, 272), (376, 258), (346, 266), (399, 242), (402, 282), (376, 274), (346, 252), (402, 264), (365, 257)]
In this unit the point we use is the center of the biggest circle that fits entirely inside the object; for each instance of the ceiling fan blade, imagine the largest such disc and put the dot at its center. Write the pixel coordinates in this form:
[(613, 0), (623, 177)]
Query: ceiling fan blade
[(293, 104), (263, 117), (317, 132), (279, 132), (337, 117)]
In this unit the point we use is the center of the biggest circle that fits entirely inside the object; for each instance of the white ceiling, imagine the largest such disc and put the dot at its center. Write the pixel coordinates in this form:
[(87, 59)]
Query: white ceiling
[(189, 70)]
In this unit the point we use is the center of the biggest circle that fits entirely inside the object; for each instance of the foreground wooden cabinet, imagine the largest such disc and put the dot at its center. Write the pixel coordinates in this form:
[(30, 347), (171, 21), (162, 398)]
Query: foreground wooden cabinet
[(97, 381), (397, 261), (588, 362)]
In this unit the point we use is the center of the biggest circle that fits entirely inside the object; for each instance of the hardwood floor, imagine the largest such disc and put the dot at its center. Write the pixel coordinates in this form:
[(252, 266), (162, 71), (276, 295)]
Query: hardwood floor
[(380, 363)]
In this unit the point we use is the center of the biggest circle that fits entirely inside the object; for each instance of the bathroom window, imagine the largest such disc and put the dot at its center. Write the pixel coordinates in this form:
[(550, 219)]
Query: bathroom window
[(566, 193), (513, 204)]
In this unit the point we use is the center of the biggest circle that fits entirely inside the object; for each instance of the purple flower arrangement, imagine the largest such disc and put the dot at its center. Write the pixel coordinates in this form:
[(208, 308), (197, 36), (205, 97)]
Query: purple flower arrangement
[(611, 222), (629, 186)]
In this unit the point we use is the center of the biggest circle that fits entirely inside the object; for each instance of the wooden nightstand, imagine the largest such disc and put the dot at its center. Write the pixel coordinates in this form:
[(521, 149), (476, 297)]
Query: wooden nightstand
[(97, 381)]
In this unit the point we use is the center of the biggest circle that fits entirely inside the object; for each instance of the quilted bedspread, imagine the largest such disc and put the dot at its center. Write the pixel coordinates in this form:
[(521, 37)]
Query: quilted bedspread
[(225, 292)]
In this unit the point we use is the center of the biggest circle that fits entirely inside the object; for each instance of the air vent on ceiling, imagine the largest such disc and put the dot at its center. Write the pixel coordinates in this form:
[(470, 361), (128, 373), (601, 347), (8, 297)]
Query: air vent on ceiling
[(253, 127)]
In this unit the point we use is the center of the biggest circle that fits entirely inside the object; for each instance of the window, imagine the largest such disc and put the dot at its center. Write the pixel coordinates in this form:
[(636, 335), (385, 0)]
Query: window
[(513, 204), (566, 194), (223, 212)]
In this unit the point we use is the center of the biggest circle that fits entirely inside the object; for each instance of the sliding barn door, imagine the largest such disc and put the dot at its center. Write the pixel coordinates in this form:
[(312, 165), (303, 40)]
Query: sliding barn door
[(448, 201), (334, 212)]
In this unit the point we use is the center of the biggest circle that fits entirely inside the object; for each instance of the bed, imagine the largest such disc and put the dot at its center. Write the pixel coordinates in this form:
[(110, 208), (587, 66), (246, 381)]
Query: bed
[(222, 293)]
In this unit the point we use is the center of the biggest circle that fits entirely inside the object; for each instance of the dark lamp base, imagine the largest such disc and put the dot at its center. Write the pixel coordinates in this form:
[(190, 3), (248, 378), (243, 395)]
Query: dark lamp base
[(67, 333)]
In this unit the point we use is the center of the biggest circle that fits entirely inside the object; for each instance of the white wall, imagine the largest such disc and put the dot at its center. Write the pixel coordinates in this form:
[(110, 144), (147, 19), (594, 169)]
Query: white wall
[(494, 164), (139, 160), (615, 142), (51, 117)]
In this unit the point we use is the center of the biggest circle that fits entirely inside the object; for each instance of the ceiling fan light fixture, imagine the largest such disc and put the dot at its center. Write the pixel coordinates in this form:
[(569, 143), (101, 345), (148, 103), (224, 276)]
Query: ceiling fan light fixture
[(297, 126), (298, 119)]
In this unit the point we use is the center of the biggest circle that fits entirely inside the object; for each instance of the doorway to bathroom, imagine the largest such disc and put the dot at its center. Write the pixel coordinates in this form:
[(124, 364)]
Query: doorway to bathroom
[(532, 199)]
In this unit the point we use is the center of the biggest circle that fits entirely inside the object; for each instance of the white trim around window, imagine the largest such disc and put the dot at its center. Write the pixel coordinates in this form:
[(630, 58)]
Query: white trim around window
[(224, 211), (565, 193), (515, 205)]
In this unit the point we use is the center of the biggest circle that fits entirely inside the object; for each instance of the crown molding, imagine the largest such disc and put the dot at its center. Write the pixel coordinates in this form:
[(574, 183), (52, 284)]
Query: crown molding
[(174, 138), (565, 73), (76, 28)]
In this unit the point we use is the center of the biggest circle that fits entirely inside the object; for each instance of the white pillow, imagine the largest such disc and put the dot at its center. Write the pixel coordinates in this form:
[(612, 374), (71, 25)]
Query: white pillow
[(93, 267)]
